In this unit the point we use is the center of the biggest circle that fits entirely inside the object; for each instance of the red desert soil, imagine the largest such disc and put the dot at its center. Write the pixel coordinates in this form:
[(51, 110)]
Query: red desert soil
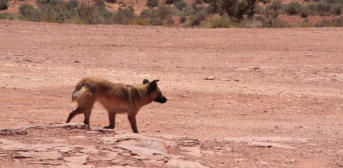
[(276, 99)]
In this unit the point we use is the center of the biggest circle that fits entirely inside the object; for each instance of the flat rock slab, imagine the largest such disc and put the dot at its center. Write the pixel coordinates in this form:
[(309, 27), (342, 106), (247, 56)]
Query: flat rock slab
[(51, 155), (77, 159), (178, 163), (262, 139), (64, 149), (90, 149), (46, 163), (83, 148), (74, 165), (192, 151), (6, 144), (7, 132)]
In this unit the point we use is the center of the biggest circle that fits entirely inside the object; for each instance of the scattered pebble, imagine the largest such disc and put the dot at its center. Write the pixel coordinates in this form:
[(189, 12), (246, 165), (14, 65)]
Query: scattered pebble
[(210, 78)]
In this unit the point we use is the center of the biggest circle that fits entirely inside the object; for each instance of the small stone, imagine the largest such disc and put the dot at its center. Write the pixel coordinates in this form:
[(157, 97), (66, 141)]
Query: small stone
[(263, 164), (69, 126), (239, 160), (208, 152), (22, 156), (77, 137), (210, 78), (291, 161), (225, 79), (269, 145), (255, 68)]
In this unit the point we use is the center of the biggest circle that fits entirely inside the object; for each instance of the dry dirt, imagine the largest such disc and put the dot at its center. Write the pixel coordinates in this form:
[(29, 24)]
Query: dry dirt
[(276, 99)]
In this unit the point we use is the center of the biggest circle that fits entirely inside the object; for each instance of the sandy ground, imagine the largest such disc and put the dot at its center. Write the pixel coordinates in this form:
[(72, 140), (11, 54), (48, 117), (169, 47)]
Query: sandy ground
[(269, 83)]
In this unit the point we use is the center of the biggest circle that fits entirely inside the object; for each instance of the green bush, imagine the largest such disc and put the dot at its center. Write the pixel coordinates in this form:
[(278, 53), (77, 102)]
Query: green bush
[(276, 6), (196, 18), (338, 22), (139, 21), (92, 14), (321, 8), (169, 1), (198, 2), (324, 23), (222, 22), (8, 16), (337, 10), (183, 19), (99, 3), (333, 1), (180, 4), (250, 23), (305, 24), (124, 15), (293, 8), (95, 13), (272, 10), (188, 10), (160, 16), (73, 3), (152, 3), (57, 10), (28, 12), (85, 13), (235, 8), (111, 1), (271, 22), (3, 4), (305, 12)]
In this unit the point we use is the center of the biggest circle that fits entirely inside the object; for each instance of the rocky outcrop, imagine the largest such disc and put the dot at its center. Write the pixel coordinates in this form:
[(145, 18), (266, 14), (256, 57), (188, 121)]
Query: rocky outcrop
[(76, 146)]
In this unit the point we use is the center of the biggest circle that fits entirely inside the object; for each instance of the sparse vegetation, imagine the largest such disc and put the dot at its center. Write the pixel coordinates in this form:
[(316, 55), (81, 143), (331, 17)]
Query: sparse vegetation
[(180, 4), (337, 10), (321, 8), (338, 22), (152, 3), (222, 22), (203, 13), (293, 8), (8, 16), (111, 1), (3, 4), (160, 16), (28, 12), (124, 15), (305, 12), (234, 8), (198, 15)]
